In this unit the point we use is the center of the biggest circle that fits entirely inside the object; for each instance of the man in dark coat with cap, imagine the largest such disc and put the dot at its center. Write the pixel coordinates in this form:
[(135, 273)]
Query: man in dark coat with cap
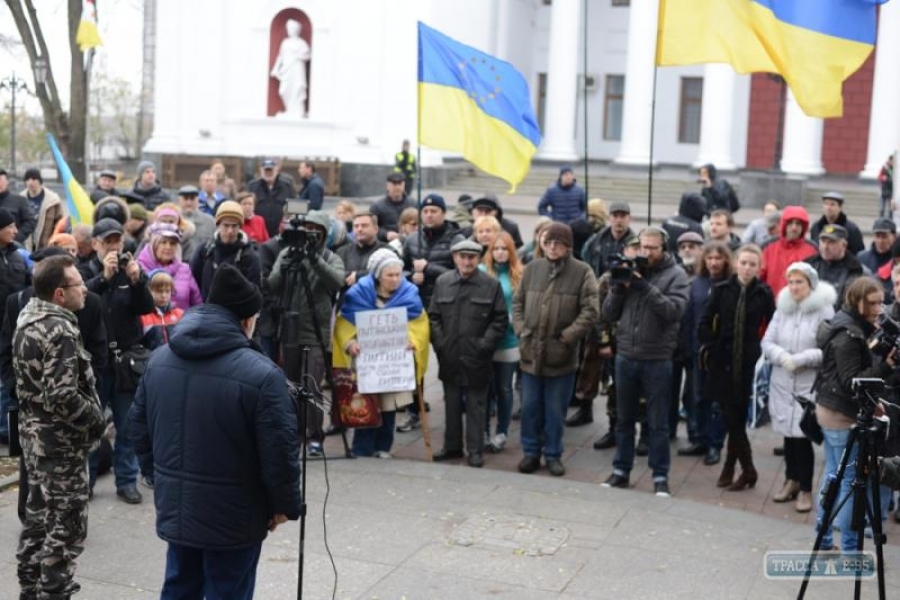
[(147, 189), (884, 233), (833, 213), (106, 186), (489, 206), (388, 209), (834, 263), (468, 319), (221, 484), (272, 190)]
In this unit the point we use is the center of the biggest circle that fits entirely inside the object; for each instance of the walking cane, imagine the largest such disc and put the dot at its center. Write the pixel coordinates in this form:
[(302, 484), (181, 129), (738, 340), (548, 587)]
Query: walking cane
[(423, 414)]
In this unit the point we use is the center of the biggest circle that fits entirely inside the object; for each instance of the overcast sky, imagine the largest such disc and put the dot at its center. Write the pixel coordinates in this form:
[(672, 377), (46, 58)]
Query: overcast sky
[(121, 27)]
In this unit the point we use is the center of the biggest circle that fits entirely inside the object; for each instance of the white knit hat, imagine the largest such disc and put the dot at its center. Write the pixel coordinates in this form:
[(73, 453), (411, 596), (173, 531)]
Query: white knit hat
[(807, 270), (380, 259)]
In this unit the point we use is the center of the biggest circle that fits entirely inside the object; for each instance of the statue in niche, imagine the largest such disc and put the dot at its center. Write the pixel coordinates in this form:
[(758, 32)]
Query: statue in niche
[(290, 70)]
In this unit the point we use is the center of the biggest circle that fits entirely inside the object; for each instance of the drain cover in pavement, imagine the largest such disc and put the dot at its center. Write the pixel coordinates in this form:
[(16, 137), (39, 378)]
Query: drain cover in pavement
[(519, 535)]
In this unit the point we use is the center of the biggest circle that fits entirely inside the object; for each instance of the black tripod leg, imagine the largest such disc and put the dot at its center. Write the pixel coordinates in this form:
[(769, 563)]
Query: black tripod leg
[(301, 417), (829, 510)]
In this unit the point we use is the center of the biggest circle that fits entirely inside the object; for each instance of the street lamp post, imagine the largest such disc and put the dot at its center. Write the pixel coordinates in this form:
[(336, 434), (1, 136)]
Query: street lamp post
[(13, 84)]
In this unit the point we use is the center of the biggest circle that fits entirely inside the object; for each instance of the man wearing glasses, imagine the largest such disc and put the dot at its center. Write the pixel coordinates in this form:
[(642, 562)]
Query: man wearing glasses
[(61, 419), (648, 308), (554, 307)]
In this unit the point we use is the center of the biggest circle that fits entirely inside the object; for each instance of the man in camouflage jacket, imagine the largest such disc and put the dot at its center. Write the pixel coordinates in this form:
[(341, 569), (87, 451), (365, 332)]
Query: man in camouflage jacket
[(60, 420)]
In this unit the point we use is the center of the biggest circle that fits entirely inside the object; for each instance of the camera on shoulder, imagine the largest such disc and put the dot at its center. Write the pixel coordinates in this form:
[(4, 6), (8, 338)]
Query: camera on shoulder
[(886, 337), (622, 268)]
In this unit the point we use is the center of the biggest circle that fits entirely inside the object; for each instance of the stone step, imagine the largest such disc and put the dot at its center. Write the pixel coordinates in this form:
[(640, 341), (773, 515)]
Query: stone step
[(631, 185)]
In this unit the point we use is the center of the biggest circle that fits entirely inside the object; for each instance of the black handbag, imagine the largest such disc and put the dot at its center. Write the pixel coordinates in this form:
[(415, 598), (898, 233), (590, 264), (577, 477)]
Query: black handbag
[(809, 424), (129, 366)]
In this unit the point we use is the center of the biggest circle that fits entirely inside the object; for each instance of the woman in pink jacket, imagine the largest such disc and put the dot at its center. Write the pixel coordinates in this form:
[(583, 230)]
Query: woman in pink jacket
[(164, 252)]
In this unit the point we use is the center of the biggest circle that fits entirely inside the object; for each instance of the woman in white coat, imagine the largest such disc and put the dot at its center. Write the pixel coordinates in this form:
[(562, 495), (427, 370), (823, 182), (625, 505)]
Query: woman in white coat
[(790, 345)]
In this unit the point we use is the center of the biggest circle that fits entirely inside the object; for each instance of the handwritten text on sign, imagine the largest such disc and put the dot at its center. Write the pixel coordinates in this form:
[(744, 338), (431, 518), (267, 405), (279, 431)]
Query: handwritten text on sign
[(384, 364)]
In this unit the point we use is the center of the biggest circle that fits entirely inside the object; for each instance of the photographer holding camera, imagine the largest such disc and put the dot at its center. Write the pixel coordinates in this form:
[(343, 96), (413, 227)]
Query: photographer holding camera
[(847, 356), (117, 278), (302, 324), (648, 308)]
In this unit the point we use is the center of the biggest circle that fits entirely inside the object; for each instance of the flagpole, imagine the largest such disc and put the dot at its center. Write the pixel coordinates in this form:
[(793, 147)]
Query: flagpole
[(661, 8), (584, 20)]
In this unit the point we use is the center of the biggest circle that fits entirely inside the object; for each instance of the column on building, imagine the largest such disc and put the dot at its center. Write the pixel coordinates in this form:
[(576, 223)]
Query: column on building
[(717, 117), (562, 82), (802, 149), (884, 120)]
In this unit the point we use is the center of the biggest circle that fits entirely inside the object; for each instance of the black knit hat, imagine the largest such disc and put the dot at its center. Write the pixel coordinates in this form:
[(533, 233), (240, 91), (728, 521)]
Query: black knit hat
[(231, 290), (6, 218), (559, 232)]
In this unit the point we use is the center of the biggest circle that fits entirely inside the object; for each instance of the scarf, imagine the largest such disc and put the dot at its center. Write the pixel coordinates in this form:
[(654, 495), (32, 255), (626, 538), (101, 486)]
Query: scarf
[(737, 353), (363, 296)]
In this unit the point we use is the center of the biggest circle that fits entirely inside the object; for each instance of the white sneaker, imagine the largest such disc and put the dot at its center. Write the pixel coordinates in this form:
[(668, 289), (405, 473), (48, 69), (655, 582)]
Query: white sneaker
[(383, 454), (499, 441)]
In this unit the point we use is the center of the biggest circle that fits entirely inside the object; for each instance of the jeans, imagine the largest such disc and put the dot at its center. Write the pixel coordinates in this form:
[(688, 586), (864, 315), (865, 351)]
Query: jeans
[(195, 573), (368, 442), (544, 404), (835, 442), (651, 379), (503, 393), (708, 414), (125, 462)]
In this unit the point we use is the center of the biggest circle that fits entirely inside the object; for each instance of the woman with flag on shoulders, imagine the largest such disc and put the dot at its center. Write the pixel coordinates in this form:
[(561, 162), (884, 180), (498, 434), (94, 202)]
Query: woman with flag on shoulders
[(384, 287)]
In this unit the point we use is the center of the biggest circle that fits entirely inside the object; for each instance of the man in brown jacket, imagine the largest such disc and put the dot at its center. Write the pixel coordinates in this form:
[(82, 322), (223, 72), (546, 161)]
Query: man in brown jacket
[(554, 307)]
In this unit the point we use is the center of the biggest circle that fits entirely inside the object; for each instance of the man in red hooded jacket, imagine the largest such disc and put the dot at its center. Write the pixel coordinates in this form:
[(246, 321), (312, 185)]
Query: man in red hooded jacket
[(790, 247)]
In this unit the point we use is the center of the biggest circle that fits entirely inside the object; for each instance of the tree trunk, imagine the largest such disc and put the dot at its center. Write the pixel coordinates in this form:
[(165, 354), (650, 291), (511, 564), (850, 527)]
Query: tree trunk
[(68, 129)]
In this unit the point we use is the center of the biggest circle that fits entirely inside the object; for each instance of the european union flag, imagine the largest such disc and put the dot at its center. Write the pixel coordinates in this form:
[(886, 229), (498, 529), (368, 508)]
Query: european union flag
[(473, 103)]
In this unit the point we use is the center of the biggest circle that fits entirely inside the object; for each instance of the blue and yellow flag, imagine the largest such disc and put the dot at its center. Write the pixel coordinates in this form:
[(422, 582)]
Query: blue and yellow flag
[(473, 103), (78, 203), (87, 36), (814, 44)]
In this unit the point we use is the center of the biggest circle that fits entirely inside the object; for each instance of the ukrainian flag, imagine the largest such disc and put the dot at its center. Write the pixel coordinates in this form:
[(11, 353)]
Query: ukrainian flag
[(78, 203), (814, 44), (475, 104), (87, 36)]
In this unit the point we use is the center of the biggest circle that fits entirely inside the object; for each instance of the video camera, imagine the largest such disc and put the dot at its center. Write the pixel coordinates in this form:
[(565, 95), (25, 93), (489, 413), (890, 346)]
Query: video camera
[(886, 337), (299, 239), (622, 268)]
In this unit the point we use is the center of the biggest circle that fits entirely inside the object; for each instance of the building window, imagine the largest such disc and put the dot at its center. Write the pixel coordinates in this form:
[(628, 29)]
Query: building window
[(612, 107), (691, 109)]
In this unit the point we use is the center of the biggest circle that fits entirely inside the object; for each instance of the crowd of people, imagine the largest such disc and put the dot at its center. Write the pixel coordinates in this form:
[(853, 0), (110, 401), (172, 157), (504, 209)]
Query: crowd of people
[(672, 322)]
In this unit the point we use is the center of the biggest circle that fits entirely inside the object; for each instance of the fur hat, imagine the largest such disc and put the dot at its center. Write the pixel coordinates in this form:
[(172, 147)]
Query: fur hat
[(808, 271), (231, 290), (559, 232)]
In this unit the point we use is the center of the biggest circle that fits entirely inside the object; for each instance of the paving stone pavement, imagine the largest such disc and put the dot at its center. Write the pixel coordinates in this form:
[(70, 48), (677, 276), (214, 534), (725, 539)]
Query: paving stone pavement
[(409, 529)]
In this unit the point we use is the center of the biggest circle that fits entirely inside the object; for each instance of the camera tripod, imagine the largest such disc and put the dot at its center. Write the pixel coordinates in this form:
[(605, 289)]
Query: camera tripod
[(296, 272), (866, 435)]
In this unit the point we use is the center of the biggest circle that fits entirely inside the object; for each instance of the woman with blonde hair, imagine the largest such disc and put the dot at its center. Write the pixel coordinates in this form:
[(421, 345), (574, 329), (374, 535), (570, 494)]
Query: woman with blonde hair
[(485, 230)]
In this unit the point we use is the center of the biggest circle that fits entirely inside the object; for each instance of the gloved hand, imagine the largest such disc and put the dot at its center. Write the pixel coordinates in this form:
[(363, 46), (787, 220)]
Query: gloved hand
[(787, 363)]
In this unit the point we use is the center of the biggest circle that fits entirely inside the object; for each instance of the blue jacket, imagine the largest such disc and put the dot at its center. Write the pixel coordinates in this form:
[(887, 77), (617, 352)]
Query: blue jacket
[(563, 204), (215, 416), (314, 192)]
